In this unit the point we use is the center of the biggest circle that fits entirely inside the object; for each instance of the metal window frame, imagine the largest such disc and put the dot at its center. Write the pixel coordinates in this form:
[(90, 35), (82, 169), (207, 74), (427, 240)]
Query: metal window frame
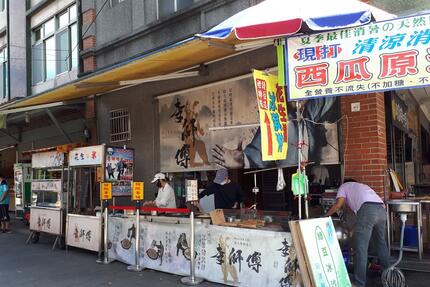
[(43, 38), (119, 125)]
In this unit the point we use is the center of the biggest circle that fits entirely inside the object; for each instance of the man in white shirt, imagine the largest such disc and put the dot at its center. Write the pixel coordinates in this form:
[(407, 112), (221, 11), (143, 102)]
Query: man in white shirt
[(166, 195)]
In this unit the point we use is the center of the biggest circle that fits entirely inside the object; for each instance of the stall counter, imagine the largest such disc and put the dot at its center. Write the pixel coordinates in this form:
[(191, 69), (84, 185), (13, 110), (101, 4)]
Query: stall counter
[(226, 255), (84, 231)]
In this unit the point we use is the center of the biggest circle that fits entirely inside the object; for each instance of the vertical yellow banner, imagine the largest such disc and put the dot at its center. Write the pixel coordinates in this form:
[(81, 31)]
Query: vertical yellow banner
[(272, 107), (138, 190), (105, 190)]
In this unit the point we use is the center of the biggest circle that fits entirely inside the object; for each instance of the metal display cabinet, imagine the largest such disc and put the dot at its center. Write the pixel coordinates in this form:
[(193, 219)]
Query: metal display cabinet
[(48, 196), (22, 186), (83, 227)]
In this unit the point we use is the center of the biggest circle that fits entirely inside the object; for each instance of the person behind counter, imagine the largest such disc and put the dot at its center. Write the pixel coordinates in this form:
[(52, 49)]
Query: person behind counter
[(371, 216), (166, 195), (227, 194)]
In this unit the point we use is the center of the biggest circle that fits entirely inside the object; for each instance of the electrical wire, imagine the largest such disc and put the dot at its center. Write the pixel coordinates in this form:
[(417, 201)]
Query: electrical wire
[(88, 28)]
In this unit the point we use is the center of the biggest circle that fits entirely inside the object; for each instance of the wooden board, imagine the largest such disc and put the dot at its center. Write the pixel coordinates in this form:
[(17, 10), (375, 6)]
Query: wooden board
[(298, 245), (217, 216)]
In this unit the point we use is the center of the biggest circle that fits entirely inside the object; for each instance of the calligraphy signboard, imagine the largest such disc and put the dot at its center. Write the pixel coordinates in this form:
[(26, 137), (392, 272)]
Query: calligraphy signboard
[(192, 190), (138, 190), (83, 231), (46, 185), (320, 253), (194, 122), (225, 119), (86, 156), (272, 108), (47, 159), (46, 220), (231, 256), (380, 56)]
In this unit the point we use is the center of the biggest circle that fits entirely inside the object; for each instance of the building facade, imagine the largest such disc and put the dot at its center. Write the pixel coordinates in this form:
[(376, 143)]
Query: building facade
[(86, 57)]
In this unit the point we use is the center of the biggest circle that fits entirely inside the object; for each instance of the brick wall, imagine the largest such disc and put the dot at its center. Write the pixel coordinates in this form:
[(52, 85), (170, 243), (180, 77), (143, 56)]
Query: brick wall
[(88, 16), (89, 42), (364, 139), (90, 64), (89, 61)]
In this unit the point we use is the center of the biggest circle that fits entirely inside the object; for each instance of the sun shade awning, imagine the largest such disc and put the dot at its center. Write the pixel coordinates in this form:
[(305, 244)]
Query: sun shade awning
[(180, 56), (266, 21)]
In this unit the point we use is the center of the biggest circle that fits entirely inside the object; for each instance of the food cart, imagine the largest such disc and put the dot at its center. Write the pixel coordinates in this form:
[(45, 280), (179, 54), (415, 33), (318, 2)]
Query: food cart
[(22, 185), (88, 167), (48, 200)]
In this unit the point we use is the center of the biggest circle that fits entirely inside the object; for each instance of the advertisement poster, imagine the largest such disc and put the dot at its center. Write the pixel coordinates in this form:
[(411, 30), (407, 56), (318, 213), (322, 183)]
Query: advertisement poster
[(83, 231), (272, 108), (119, 164), (218, 125), (86, 156), (46, 220), (47, 159), (379, 56), (222, 254), (119, 170)]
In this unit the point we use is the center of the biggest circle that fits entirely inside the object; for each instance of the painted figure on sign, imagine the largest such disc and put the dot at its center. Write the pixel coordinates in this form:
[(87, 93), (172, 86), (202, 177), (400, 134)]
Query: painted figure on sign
[(156, 251), (227, 265), (183, 246), (110, 171), (191, 132)]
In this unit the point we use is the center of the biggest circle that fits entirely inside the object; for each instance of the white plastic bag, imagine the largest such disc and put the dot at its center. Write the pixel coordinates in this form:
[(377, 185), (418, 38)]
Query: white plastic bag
[(281, 182)]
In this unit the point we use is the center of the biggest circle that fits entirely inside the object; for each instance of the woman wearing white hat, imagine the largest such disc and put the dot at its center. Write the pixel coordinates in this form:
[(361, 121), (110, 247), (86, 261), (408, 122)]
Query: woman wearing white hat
[(166, 195)]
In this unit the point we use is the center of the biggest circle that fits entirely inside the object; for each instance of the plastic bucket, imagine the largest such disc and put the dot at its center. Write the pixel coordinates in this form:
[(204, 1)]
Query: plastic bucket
[(411, 236)]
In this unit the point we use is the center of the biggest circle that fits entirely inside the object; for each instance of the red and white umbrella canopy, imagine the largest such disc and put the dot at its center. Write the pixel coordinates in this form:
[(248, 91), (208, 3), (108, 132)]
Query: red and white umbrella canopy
[(276, 18)]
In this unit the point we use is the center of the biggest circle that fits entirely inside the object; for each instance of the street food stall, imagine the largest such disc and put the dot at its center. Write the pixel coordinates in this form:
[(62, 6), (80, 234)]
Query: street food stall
[(231, 252), (88, 167), (48, 195)]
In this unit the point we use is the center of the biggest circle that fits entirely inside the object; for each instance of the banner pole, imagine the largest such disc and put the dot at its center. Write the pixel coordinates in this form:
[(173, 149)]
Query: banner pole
[(137, 267), (299, 156), (192, 280), (101, 241)]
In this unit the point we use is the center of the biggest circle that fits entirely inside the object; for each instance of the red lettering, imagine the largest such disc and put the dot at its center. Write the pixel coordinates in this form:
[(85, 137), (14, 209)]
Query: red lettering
[(312, 75), (352, 70), (399, 64)]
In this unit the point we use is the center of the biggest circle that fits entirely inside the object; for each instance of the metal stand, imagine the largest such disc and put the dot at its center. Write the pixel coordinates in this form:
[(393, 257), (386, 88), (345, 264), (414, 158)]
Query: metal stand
[(29, 237), (105, 238), (192, 280), (137, 267)]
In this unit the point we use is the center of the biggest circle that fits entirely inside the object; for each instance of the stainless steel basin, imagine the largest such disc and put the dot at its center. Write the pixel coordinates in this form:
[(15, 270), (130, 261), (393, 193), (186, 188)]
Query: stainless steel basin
[(403, 206)]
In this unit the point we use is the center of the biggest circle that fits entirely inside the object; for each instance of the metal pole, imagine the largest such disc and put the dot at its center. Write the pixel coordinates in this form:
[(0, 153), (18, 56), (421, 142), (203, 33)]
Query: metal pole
[(306, 195), (91, 187), (101, 242), (137, 266), (106, 259), (192, 280), (67, 203), (105, 237), (299, 156)]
